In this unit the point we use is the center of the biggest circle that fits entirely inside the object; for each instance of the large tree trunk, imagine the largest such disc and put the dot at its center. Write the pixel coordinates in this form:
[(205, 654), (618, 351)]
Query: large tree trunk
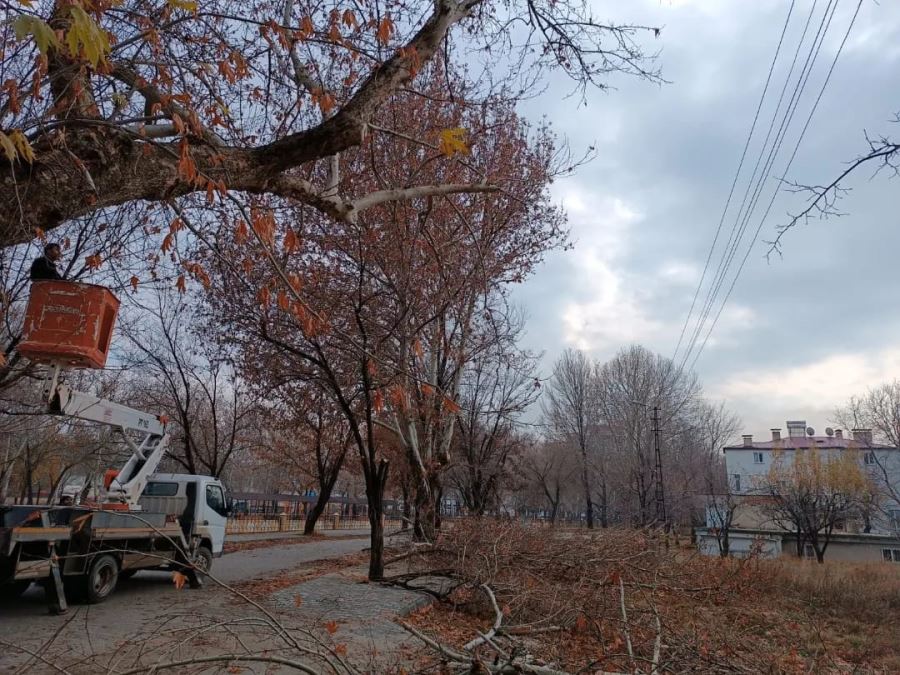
[(376, 479), (427, 517)]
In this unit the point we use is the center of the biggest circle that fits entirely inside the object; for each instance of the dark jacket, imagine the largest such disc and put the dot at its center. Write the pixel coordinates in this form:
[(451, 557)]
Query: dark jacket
[(44, 268)]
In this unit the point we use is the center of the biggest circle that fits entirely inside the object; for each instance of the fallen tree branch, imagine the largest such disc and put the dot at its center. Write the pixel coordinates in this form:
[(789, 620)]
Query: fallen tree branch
[(251, 658), (498, 621)]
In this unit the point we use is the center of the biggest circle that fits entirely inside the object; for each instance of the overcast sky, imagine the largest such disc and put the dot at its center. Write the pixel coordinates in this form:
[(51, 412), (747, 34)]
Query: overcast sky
[(799, 334)]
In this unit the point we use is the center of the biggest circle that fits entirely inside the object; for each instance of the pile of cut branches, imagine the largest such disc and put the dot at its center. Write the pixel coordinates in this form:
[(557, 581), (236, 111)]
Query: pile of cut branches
[(536, 600)]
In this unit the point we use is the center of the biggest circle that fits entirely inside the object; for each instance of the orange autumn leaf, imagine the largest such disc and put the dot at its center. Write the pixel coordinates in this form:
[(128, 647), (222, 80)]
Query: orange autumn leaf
[(264, 296), (40, 234), (427, 389), (417, 348), (2, 360), (179, 580), (331, 627), (378, 401), (283, 302), (93, 262), (385, 29), (451, 405), (298, 600), (134, 281), (241, 233), (291, 242), (167, 243), (340, 650), (181, 284)]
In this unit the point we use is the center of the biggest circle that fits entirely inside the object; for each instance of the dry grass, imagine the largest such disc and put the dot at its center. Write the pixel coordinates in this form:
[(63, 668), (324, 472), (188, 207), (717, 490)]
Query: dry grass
[(561, 600)]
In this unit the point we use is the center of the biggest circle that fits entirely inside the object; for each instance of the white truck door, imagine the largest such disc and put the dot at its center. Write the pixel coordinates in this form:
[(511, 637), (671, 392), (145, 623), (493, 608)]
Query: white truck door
[(215, 513)]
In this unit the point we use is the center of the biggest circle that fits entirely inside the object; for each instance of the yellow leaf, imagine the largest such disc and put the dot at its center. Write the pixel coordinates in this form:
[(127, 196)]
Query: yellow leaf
[(84, 35), (22, 145), (186, 5), (8, 148), (453, 141), (44, 36)]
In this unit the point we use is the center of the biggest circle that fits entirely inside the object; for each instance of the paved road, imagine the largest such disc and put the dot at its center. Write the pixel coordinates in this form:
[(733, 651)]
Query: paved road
[(141, 601)]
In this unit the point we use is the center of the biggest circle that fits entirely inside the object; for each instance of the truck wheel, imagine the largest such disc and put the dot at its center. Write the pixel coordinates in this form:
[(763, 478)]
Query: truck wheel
[(13, 589), (101, 578), (203, 560)]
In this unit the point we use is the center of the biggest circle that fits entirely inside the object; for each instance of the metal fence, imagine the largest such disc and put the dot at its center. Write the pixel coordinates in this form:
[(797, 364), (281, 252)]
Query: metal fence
[(253, 523)]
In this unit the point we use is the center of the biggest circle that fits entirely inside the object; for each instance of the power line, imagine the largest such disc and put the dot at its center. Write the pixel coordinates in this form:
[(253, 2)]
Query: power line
[(736, 176), (737, 232), (758, 178), (783, 175)]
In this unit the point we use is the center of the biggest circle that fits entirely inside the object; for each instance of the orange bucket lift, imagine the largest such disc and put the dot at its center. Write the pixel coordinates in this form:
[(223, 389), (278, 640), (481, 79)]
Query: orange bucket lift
[(69, 324)]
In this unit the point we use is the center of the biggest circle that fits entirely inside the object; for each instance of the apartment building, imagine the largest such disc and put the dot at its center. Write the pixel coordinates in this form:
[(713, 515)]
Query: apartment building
[(868, 534)]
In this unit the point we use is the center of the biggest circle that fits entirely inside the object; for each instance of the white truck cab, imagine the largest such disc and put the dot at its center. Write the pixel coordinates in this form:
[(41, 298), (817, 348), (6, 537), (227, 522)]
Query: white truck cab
[(200, 505)]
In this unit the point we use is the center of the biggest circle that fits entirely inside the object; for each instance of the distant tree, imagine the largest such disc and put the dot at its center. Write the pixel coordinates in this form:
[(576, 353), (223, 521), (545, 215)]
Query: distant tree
[(496, 388), (311, 444), (175, 370), (811, 491), (550, 467), (879, 411), (628, 386), (570, 406)]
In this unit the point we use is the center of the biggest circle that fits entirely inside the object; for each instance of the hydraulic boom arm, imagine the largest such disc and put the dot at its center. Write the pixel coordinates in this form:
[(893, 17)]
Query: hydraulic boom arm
[(130, 482)]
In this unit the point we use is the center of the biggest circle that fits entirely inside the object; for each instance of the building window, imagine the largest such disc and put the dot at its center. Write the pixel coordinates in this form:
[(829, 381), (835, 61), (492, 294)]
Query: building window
[(891, 554), (869, 458), (757, 458), (736, 482), (895, 519)]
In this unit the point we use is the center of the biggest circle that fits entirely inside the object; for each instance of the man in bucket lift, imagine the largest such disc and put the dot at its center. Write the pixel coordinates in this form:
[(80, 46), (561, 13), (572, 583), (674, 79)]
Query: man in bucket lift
[(45, 266)]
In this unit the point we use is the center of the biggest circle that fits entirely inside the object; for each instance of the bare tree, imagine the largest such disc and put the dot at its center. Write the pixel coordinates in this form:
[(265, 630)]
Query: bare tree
[(497, 387), (550, 467), (177, 370), (570, 406)]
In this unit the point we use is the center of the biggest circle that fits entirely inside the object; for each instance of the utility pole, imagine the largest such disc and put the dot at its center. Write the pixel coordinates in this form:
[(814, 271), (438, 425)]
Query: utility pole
[(660, 495)]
